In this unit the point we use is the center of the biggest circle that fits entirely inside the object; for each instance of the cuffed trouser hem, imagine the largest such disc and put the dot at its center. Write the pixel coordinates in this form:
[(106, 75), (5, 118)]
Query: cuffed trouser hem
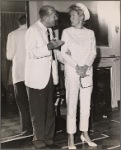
[(84, 123), (71, 127), (71, 132), (38, 144), (83, 130), (49, 142)]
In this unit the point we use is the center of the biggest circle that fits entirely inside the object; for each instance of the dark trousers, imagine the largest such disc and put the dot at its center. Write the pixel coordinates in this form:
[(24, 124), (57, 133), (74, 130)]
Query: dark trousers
[(23, 106), (42, 113)]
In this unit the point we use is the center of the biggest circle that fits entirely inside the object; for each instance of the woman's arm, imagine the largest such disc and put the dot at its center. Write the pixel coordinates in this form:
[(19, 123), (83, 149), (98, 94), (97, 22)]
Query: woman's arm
[(92, 55), (64, 51)]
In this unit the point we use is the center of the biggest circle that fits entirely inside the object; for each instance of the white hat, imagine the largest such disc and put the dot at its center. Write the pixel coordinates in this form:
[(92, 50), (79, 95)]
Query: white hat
[(84, 8)]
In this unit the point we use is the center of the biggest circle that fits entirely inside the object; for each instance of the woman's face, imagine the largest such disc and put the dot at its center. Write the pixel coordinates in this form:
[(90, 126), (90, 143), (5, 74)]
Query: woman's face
[(75, 18)]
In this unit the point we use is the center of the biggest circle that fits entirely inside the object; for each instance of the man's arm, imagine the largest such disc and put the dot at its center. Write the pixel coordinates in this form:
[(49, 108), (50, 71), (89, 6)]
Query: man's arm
[(33, 50), (43, 49), (10, 47), (59, 56)]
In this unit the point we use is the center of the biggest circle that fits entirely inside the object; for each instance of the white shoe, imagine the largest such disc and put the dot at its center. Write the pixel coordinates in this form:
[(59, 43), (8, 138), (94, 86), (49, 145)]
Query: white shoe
[(89, 143), (71, 147)]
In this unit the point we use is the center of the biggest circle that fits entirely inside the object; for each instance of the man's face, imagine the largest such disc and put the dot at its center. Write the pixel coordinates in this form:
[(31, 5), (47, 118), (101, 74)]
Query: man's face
[(51, 19)]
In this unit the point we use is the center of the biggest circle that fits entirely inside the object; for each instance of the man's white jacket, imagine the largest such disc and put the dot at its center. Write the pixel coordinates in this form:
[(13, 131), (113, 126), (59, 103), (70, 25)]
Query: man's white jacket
[(38, 58), (16, 53)]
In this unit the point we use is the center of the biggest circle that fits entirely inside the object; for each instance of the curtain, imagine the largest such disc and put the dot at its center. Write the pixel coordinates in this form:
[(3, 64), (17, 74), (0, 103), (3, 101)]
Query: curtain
[(8, 24)]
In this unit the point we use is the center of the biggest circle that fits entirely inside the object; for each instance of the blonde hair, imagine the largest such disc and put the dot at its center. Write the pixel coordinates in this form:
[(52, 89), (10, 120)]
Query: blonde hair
[(77, 9)]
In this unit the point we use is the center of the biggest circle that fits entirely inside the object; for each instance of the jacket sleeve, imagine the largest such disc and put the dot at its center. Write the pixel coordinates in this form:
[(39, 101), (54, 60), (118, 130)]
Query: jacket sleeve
[(59, 56), (92, 55), (34, 50), (64, 49), (10, 48)]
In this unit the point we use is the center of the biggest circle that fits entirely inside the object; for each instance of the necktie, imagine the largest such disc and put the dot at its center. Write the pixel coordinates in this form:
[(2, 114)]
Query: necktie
[(53, 56)]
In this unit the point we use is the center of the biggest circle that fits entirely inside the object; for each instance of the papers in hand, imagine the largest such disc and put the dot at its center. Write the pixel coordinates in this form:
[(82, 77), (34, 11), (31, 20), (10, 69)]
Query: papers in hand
[(58, 42)]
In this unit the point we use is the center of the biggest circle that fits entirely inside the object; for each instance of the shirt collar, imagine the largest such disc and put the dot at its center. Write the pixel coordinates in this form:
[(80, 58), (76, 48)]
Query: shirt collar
[(23, 26), (42, 26)]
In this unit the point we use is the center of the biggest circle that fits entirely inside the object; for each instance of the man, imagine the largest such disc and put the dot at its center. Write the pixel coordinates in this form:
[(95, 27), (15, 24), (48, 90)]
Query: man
[(39, 75), (16, 53)]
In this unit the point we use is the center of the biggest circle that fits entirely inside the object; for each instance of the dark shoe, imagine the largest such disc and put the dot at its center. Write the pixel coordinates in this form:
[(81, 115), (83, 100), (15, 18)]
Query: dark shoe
[(49, 142), (38, 144), (51, 146)]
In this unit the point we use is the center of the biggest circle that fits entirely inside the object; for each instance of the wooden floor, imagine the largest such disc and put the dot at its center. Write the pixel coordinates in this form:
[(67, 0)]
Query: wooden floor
[(105, 132)]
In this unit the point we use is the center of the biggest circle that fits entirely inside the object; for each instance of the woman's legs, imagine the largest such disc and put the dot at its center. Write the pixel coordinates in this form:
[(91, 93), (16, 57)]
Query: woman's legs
[(72, 89), (85, 99)]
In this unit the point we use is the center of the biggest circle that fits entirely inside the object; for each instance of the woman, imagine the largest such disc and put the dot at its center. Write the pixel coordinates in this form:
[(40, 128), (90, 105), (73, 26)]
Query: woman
[(79, 52)]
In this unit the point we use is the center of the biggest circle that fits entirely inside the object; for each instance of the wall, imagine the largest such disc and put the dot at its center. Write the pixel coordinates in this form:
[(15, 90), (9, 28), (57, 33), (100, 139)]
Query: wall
[(59, 5), (13, 6), (10, 11)]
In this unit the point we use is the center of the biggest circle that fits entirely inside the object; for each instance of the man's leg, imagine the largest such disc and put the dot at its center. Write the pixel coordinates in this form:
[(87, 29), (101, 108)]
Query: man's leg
[(50, 120), (23, 106), (38, 109)]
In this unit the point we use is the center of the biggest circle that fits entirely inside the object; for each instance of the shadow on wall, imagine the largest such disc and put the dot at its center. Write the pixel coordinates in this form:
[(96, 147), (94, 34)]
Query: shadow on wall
[(100, 29)]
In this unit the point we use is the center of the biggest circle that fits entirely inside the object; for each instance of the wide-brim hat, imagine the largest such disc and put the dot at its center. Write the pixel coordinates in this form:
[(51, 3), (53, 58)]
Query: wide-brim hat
[(85, 10)]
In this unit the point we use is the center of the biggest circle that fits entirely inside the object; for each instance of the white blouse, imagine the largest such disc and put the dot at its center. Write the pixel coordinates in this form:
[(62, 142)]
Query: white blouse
[(82, 45)]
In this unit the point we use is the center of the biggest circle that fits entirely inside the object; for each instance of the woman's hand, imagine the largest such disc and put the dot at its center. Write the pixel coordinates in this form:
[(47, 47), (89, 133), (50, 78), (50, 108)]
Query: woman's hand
[(81, 70)]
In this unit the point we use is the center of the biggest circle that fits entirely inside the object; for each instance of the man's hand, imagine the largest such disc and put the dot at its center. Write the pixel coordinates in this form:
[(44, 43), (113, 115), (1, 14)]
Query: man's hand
[(53, 44)]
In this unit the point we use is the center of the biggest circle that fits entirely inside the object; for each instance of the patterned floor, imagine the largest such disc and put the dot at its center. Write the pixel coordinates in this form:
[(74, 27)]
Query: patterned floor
[(105, 132)]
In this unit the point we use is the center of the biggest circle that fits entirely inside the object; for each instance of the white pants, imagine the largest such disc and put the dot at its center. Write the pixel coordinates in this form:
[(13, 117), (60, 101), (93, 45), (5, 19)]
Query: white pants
[(73, 90)]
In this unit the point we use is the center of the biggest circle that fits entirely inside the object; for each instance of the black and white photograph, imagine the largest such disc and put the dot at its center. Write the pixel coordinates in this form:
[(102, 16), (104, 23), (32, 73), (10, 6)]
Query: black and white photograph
[(60, 74)]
